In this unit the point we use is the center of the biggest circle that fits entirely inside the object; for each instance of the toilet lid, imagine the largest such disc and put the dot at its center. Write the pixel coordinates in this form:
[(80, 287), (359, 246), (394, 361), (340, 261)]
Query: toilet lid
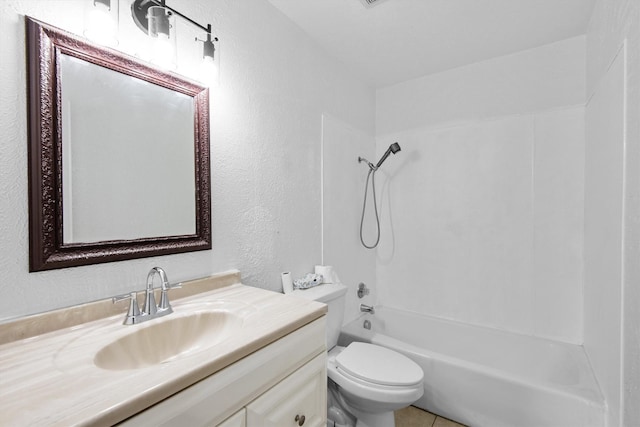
[(378, 365)]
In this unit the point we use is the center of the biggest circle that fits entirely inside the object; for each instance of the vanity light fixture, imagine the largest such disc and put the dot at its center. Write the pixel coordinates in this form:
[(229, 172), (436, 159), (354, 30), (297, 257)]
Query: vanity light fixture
[(101, 21), (154, 18)]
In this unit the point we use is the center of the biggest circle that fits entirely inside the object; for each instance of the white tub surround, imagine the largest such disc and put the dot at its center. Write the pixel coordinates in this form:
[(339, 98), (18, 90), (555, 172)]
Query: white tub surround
[(486, 377), (490, 188), (52, 379)]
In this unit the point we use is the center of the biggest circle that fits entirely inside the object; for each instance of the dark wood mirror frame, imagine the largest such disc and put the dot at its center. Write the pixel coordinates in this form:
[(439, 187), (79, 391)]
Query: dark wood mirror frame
[(45, 44)]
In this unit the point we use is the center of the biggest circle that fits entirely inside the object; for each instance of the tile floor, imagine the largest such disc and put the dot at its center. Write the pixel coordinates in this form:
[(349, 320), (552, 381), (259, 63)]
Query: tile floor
[(415, 417)]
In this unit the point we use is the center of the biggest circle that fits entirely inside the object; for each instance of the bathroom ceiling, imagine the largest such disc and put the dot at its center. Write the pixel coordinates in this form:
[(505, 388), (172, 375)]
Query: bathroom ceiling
[(397, 40)]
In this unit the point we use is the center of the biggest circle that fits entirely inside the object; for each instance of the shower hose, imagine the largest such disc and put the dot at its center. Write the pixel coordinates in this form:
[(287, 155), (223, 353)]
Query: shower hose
[(372, 175)]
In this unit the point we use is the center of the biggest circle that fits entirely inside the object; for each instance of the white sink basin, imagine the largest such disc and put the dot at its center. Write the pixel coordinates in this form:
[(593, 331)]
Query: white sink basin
[(167, 340)]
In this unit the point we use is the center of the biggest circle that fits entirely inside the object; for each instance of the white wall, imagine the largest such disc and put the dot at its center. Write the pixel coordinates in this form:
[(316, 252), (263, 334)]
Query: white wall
[(266, 127), (483, 207), (612, 206)]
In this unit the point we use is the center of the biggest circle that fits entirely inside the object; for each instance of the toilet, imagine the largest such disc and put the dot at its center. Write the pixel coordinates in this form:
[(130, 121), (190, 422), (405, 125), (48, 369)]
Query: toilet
[(367, 380)]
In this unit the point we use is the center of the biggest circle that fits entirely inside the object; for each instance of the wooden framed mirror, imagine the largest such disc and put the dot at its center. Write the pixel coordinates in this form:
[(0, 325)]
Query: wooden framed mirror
[(119, 162)]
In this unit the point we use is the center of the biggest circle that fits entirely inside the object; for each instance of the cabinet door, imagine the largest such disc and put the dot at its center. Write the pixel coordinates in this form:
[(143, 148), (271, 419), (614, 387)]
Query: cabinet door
[(236, 420), (298, 400)]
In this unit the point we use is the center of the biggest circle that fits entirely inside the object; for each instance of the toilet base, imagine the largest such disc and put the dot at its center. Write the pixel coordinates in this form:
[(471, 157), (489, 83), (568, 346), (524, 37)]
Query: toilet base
[(382, 419), (343, 414)]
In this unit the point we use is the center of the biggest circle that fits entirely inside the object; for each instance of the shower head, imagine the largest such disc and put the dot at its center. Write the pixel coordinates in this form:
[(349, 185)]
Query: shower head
[(393, 148)]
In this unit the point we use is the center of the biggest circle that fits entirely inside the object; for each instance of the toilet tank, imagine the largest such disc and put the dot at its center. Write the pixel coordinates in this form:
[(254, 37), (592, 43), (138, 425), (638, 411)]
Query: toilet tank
[(332, 294)]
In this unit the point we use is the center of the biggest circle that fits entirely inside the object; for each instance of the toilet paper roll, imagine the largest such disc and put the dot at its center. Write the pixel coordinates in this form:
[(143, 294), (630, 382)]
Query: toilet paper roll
[(287, 282), (328, 274)]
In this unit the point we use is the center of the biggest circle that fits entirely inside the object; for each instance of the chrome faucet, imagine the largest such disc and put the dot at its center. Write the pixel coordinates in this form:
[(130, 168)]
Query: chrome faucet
[(150, 310), (367, 308)]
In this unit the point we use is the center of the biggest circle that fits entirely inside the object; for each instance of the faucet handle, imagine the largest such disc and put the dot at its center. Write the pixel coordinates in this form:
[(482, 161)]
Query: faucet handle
[(164, 298), (134, 311), (362, 290), (167, 286)]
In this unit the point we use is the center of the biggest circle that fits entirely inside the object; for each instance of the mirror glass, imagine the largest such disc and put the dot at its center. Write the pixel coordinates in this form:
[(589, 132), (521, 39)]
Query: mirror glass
[(127, 156), (118, 155)]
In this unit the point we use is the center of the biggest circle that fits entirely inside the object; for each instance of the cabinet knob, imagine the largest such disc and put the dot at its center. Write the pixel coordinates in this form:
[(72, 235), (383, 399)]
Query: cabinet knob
[(300, 419)]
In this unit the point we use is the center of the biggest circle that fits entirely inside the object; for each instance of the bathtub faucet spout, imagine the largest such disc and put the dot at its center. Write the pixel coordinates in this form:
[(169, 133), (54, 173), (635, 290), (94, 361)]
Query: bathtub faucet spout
[(367, 308)]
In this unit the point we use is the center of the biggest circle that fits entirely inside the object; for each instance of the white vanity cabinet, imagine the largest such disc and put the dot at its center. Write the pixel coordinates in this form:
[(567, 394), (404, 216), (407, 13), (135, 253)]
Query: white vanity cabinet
[(239, 419), (280, 385), (298, 400)]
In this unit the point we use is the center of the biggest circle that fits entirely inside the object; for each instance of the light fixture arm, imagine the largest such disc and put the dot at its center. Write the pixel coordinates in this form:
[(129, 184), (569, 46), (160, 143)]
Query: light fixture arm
[(139, 12)]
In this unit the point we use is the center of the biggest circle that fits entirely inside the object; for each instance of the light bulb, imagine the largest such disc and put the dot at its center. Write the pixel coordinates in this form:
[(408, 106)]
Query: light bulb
[(163, 51), (100, 26), (208, 71)]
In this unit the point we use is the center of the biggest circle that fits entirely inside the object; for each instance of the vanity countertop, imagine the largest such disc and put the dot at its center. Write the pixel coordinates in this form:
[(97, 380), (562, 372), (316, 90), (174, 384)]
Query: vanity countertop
[(51, 379)]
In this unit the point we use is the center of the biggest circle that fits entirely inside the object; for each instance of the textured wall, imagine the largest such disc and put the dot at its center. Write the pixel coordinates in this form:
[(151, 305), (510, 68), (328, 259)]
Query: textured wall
[(266, 125), (612, 193), (483, 218)]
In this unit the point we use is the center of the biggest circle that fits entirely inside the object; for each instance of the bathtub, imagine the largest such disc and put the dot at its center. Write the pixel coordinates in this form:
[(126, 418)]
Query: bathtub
[(484, 377)]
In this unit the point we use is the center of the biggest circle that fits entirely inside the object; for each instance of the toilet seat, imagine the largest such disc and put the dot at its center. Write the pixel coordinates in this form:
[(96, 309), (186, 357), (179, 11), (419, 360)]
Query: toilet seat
[(365, 395), (374, 364)]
